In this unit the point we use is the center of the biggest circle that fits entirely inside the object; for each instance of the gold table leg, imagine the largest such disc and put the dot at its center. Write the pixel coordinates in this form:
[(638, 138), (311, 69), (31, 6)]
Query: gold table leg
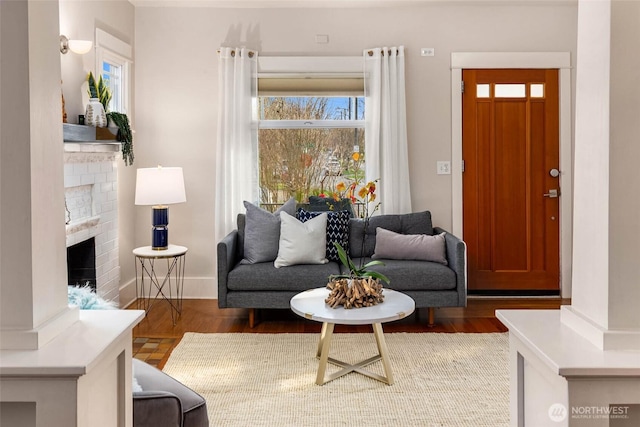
[(323, 346), (323, 354)]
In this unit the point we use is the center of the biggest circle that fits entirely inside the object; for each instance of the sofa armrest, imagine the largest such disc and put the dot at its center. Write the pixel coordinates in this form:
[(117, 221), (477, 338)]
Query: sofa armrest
[(155, 408), (457, 260), (227, 260)]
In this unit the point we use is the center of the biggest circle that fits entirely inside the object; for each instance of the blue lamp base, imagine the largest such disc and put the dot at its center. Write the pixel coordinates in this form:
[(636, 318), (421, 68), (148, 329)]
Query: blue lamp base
[(160, 230)]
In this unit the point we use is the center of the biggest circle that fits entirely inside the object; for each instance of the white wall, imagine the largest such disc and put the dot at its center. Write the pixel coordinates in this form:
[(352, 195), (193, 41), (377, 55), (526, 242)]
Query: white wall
[(78, 20), (176, 87)]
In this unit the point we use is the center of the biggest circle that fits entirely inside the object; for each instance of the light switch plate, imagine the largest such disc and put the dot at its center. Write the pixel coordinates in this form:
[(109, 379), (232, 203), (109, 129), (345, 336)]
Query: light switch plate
[(444, 167)]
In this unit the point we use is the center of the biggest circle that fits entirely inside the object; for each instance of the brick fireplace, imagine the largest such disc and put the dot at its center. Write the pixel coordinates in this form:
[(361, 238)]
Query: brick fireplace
[(91, 185)]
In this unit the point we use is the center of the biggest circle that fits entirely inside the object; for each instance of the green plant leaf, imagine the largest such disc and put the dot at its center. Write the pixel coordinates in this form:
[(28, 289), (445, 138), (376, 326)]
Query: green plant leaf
[(91, 81), (124, 135), (376, 275), (372, 263)]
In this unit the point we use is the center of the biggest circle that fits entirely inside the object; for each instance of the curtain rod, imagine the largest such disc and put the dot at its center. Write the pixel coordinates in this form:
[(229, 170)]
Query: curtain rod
[(233, 53), (370, 53)]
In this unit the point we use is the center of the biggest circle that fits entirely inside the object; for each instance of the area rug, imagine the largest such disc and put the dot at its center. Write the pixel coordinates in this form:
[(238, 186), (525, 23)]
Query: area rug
[(269, 379)]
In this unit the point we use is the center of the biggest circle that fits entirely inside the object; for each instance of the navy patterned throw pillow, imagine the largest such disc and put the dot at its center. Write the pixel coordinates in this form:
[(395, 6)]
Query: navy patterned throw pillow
[(337, 230)]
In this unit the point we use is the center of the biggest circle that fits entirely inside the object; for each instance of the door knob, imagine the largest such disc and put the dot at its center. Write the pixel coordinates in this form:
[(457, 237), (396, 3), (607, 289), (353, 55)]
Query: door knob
[(553, 193), (554, 172)]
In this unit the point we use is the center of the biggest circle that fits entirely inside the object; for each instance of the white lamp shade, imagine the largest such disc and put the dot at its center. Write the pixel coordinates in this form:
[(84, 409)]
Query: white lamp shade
[(80, 46), (160, 186)]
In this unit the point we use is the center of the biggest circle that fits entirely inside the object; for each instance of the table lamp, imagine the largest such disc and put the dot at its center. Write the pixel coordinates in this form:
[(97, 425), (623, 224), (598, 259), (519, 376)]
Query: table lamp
[(159, 187)]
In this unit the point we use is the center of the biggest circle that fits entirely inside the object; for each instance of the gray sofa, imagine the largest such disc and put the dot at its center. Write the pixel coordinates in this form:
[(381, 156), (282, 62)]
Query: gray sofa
[(261, 285), (165, 401)]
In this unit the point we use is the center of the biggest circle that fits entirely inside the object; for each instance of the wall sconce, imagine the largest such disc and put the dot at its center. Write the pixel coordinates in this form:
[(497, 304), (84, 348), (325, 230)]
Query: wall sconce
[(76, 46)]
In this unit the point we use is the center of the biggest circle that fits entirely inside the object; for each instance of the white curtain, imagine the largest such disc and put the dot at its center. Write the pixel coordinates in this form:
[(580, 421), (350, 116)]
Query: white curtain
[(386, 154), (237, 147)]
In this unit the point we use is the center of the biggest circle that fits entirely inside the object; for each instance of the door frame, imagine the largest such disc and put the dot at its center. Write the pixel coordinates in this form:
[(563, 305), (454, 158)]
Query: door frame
[(497, 60)]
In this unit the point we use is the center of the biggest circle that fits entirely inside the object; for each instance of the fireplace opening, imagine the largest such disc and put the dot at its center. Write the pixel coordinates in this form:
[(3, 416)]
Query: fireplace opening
[(81, 264)]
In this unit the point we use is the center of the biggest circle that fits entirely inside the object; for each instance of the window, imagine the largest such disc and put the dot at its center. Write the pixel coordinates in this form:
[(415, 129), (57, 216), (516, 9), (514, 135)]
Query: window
[(113, 74), (306, 145), (310, 125), (113, 62)]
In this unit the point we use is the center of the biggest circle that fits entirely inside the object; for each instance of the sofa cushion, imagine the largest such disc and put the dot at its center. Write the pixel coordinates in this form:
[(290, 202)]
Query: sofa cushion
[(409, 275), (337, 230), (265, 277), (262, 232), (302, 242), (413, 223), (324, 204), (421, 247)]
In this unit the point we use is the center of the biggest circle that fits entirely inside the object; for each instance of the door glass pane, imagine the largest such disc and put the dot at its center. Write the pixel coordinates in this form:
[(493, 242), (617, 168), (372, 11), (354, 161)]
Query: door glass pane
[(511, 90), (482, 90), (537, 90)]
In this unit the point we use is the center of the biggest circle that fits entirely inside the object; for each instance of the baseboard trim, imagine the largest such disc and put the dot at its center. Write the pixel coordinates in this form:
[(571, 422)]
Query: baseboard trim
[(194, 288), (517, 293)]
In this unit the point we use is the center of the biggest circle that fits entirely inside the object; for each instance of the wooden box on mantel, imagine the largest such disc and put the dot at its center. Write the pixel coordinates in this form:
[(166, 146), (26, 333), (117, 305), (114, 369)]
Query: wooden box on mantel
[(82, 133)]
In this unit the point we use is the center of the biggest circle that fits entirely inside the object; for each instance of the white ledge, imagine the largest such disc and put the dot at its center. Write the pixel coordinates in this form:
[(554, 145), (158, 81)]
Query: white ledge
[(563, 350), (83, 224), (92, 147), (75, 351)]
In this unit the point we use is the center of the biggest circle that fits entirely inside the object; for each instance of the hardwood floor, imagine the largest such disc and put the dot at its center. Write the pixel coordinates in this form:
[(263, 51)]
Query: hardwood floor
[(156, 335)]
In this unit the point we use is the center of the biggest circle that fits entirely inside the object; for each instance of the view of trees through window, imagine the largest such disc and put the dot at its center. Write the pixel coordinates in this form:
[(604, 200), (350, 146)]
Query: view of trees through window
[(306, 146)]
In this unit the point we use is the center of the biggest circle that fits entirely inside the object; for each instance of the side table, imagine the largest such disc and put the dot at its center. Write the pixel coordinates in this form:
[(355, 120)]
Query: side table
[(146, 258)]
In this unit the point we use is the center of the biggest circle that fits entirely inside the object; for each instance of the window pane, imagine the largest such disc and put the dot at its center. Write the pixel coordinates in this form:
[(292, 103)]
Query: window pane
[(537, 90), (482, 90), (513, 90), (312, 108), (112, 77), (304, 162)]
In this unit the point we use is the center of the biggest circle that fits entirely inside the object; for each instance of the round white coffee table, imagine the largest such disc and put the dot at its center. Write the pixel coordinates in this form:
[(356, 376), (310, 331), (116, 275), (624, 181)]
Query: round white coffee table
[(310, 305)]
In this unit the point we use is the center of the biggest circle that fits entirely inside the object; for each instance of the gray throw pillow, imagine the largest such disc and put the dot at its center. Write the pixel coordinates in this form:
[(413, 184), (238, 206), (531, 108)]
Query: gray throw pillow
[(422, 247), (262, 232)]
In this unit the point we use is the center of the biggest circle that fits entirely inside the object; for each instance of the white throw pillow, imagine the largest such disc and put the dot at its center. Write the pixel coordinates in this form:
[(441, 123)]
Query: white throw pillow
[(302, 243)]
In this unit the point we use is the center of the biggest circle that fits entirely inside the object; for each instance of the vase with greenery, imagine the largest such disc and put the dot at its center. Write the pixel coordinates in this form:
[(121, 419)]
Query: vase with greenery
[(99, 91)]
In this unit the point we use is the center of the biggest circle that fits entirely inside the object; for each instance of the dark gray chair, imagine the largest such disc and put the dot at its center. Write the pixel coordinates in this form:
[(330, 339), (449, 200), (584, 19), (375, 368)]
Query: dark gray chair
[(165, 401)]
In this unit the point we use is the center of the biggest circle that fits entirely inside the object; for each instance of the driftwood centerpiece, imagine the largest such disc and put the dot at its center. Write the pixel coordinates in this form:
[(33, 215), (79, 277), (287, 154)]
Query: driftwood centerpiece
[(354, 293)]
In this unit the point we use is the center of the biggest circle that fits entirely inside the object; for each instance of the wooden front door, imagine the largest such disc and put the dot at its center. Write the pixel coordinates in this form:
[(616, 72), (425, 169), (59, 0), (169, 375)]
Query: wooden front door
[(510, 148)]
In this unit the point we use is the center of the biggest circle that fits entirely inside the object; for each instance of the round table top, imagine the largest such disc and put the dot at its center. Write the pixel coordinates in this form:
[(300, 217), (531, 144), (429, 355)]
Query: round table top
[(171, 251), (310, 304)]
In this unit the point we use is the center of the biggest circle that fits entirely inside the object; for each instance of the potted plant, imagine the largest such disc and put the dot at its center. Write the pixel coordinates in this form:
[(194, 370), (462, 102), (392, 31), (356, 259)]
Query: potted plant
[(99, 91), (95, 113), (361, 286)]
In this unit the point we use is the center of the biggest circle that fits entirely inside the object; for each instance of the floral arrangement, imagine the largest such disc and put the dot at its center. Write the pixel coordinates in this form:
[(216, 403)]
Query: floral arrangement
[(365, 195)]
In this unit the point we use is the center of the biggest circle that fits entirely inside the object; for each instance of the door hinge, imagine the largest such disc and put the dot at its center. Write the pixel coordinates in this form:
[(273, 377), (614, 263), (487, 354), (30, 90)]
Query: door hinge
[(463, 166), (462, 86)]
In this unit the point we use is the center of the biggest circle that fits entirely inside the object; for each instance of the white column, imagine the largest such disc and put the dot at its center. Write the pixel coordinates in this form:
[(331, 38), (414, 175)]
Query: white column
[(33, 303), (606, 267)]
